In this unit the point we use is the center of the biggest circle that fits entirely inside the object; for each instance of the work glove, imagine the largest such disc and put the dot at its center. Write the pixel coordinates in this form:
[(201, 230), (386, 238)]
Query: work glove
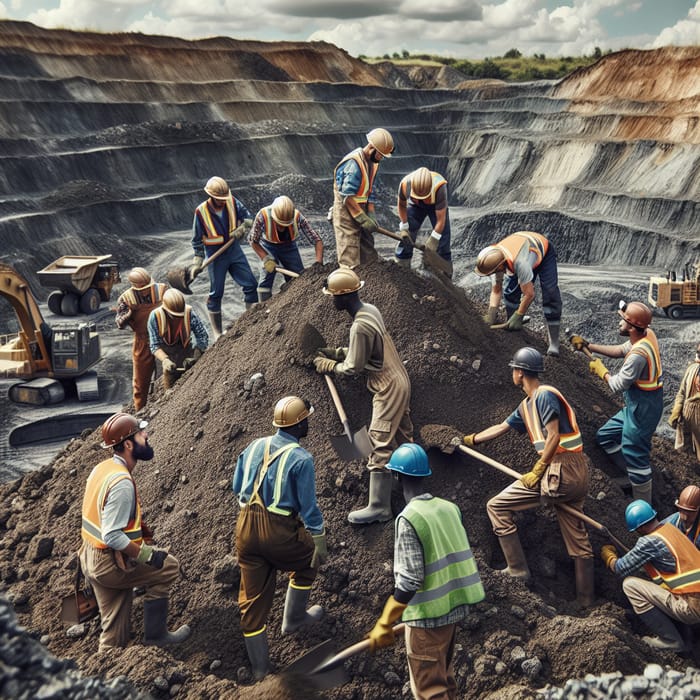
[(406, 239), (269, 263), (324, 365), (197, 263), (190, 362), (151, 556), (382, 635), (597, 367), (578, 342), (608, 554), (433, 241), (675, 416), (337, 354), (468, 440), (532, 478), (367, 223), (320, 555), (490, 316), (242, 229), (169, 365)]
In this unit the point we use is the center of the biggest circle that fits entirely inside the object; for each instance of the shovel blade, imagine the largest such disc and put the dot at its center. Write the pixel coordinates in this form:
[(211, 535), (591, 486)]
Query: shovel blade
[(180, 278), (357, 448), (308, 662)]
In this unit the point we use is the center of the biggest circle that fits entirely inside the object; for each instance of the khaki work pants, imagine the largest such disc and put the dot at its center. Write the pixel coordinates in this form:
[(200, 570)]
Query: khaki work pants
[(691, 425), (114, 587), (568, 476), (267, 543), (353, 245), (144, 364), (430, 653), (645, 595)]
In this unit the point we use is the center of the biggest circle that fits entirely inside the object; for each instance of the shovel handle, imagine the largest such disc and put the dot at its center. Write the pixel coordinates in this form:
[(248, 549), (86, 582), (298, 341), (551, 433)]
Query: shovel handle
[(338, 405), (213, 257), (288, 273), (396, 237), (564, 506)]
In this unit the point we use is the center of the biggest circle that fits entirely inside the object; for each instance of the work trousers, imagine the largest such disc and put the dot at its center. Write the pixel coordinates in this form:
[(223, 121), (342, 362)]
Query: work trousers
[(690, 425), (430, 652), (631, 430), (353, 245), (572, 486), (144, 364), (548, 276), (417, 214), (178, 355), (286, 255), (232, 262), (266, 543), (114, 587), (645, 595)]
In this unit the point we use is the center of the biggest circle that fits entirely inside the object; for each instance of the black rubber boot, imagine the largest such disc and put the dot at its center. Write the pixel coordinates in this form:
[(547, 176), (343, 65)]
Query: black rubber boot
[(667, 637), (215, 320), (295, 613), (264, 295), (155, 624)]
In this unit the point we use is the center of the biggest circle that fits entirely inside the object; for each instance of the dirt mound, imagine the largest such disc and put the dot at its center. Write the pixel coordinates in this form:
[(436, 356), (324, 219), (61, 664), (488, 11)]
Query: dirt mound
[(518, 639)]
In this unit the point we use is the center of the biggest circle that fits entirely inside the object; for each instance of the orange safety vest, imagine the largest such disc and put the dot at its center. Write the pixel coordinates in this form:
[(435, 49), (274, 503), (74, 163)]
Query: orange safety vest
[(438, 182), (570, 442), (210, 235), (174, 330), (648, 348), (102, 478), (365, 188), (511, 245), (271, 234), (685, 578)]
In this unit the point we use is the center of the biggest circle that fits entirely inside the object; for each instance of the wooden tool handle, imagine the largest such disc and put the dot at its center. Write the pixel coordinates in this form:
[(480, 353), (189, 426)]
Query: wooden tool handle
[(336, 399), (213, 257), (351, 651), (289, 273)]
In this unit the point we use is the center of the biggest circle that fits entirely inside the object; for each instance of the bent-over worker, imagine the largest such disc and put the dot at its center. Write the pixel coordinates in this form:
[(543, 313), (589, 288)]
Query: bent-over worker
[(687, 516)]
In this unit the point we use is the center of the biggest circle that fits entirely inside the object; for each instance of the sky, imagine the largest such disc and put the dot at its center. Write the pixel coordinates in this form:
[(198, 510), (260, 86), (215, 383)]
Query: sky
[(469, 29)]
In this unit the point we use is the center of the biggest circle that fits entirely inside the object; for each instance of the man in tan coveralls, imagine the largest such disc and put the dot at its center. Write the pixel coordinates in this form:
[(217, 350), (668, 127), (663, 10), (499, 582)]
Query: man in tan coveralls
[(354, 222), (133, 308), (371, 350)]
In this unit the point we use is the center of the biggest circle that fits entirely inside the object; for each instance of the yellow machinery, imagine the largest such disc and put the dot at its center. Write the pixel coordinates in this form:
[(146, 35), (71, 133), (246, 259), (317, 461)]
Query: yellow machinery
[(677, 299)]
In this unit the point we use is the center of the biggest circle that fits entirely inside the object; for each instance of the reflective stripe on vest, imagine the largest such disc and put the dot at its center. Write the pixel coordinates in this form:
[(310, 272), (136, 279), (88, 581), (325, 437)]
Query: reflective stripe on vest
[(271, 234), (512, 244), (174, 330), (102, 478), (210, 235), (686, 577), (365, 188), (451, 577), (438, 182), (648, 348), (267, 459), (569, 442)]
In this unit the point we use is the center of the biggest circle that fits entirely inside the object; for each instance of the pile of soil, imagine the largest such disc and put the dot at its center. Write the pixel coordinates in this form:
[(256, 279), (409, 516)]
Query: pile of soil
[(519, 639)]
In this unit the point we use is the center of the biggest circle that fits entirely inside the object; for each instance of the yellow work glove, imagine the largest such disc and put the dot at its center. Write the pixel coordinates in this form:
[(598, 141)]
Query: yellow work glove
[(324, 366), (337, 354), (382, 635), (675, 416), (269, 264), (597, 367), (468, 440), (491, 316), (578, 342), (532, 478), (608, 554), (169, 365)]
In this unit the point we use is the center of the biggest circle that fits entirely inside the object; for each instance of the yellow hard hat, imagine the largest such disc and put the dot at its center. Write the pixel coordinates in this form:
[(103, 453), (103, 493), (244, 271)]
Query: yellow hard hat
[(174, 302), (139, 278), (382, 140), (342, 281), (217, 188), (421, 183), (283, 210), (489, 260), (291, 410)]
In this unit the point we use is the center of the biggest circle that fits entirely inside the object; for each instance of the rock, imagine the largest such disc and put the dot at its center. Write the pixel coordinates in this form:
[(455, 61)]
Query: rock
[(531, 668), (161, 683), (40, 548), (653, 672), (226, 570), (391, 679), (76, 631)]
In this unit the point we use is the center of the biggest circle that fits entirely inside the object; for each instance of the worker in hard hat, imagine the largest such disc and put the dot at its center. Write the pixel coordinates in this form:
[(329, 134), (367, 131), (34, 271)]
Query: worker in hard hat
[(218, 220), (177, 336), (673, 565), (560, 475), (423, 194), (371, 351), (354, 220), (685, 414), (116, 555), (133, 309), (516, 262), (436, 579), (626, 437), (687, 515), (273, 237), (279, 528)]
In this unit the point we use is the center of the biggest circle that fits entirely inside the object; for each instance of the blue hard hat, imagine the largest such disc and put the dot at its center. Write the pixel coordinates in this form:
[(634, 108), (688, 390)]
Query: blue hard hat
[(638, 513), (410, 459)]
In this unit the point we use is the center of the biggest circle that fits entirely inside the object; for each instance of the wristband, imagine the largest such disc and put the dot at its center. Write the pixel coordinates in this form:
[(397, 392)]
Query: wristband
[(403, 226), (435, 234)]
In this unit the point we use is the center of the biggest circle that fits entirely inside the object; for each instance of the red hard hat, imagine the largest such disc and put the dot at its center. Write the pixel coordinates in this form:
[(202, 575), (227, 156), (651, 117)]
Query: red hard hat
[(689, 499), (119, 427), (636, 314)]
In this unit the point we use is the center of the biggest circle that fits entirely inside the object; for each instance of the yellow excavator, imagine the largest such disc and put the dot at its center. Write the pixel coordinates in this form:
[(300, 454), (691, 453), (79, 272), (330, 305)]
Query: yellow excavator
[(49, 357)]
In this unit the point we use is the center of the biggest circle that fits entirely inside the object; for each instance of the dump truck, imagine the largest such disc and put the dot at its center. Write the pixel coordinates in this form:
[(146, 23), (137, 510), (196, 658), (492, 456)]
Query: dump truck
[(677, 298), (52, 359), (80, 283)]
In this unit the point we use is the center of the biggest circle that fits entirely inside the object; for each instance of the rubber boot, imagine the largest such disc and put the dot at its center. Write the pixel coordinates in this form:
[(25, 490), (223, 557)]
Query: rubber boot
[(667, 635), (642, 491), (295, 613), (404, 262), (264, 295), (515, 557), (155, 624), (258, 653), (215, 321), (378, 509), (553, 332), (585, 588), (249, 305)]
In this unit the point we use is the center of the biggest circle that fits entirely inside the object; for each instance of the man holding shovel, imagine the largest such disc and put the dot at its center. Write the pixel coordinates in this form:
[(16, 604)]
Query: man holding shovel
[(371, 350), (560, 475), (217, 221)]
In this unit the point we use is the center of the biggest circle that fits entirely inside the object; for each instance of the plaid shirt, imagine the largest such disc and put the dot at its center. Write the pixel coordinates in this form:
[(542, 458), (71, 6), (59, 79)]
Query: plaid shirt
[(305, 230), (649, 549)]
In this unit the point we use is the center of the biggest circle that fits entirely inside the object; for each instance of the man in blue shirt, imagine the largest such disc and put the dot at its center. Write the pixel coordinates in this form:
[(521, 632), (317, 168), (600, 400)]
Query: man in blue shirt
[(280, 528)]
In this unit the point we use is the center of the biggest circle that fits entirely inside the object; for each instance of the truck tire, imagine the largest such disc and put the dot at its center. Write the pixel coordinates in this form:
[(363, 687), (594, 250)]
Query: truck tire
[(54, 302), (90, 301), (675, 312), (70, 305)]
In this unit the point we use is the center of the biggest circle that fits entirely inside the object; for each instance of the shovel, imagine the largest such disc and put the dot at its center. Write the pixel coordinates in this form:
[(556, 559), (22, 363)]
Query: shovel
[(182, 278), (431, 259)]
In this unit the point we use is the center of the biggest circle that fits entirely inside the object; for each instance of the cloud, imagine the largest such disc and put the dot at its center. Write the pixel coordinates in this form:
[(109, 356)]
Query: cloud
[(105, 15), (354, 9), (441, 10), (683, 33)]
